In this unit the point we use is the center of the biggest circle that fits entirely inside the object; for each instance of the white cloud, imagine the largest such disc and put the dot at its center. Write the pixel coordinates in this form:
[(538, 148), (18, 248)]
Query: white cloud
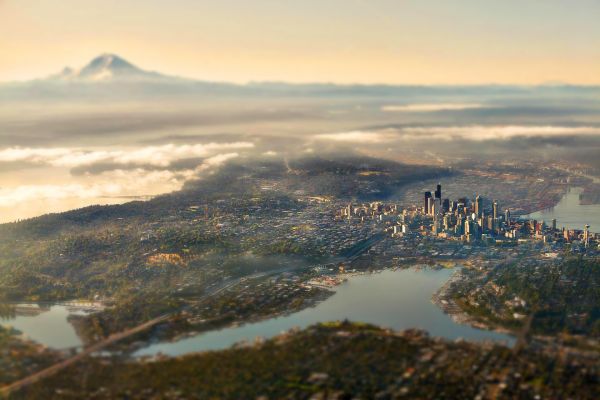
[(364, 137), (114, 183), (431, 107), (39, 155), (448, 133), (159, 156), (482, 133), (110, 184), (212, 162)]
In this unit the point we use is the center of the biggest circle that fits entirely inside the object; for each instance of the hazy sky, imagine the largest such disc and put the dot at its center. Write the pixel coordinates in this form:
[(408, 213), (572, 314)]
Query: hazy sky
[(391, 41)]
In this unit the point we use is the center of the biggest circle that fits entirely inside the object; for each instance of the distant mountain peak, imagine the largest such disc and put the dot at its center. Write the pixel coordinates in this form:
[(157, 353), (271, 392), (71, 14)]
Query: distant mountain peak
[(106, 67), (110, 62)]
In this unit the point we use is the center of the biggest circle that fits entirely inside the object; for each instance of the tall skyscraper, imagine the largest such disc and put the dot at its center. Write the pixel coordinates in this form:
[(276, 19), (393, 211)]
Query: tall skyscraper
[(446, 205), (468, 226), (495, 209), (507, 216), (586, 236), (438, 191), (478, 205), (460, 226), (426, 204), (553, 224), (436, 207)]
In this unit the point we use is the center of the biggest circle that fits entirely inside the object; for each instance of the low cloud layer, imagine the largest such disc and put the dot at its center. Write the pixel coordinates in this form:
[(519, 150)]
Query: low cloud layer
[(364, 137), (113, 184), (108, 185), (104, 176), (478, 133), (431, 107), (119, 171), (483, 133), (156, 156), (84, 127)]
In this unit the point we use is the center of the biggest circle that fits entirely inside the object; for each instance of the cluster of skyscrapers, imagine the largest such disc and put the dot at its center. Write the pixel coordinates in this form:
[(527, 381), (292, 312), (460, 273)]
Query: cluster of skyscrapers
[(475, 219), (463, 217)]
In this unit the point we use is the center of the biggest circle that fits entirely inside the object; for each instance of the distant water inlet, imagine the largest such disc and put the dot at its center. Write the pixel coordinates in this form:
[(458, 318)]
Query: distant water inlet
[(395, 299), (569, 213)]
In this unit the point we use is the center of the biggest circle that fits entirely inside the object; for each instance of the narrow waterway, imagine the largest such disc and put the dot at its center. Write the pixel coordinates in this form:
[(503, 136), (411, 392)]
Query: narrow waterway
[(395, 299), (569, 213)]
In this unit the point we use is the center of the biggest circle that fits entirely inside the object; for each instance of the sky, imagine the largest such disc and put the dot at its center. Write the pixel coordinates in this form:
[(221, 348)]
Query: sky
[(342, 41)]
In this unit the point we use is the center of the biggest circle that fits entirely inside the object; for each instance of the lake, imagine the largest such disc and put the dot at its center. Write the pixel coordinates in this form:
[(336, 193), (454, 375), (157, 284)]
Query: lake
[(396, 299), (48, 326)]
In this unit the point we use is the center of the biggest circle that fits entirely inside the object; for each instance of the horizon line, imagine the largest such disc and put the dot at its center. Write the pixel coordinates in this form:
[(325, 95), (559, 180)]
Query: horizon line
[(547, 83)]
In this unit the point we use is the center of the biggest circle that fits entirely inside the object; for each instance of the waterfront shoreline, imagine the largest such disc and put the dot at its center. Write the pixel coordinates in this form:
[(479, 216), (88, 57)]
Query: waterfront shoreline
[(443, 299)]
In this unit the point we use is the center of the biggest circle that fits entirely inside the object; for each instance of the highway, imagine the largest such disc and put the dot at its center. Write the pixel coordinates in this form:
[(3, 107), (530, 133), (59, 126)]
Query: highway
[(7, 390)]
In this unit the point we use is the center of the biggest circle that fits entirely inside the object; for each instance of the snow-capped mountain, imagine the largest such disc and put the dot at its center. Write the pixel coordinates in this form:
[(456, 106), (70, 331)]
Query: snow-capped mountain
[(104, 68), (109, 77)]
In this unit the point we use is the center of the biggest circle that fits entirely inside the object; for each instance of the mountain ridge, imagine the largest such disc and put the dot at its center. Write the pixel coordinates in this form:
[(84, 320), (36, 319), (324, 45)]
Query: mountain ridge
[(111, 66), (110, 77)]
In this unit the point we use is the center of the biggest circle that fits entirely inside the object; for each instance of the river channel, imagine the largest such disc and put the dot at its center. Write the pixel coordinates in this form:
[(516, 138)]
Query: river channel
[(569, 213)]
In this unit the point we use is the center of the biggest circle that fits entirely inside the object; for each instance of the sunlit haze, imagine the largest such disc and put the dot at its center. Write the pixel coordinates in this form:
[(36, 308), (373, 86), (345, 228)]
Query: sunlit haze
[(385, 41)]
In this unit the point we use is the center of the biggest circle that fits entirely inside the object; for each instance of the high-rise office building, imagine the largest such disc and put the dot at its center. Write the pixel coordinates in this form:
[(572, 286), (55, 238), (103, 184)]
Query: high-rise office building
[(507, 216), (446, 205), (438, 191), (447, 222), (478, 205), (495, 209), (586, 236), (426, 204), (436, 207), (459, 229), (453, 205), (491, 223), (553, 224)]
